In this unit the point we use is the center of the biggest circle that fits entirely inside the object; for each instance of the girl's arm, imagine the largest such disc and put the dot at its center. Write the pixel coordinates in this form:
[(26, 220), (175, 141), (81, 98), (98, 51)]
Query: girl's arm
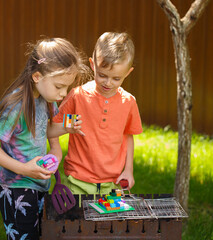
[(57, 129), (128, 169), (29, 169), (55, 148)]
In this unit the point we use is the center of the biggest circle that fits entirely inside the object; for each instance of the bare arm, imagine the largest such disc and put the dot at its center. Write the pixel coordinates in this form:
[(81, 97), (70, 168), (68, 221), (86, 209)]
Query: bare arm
[(57, 129), (55, 148), (128, 169), (29, 169)]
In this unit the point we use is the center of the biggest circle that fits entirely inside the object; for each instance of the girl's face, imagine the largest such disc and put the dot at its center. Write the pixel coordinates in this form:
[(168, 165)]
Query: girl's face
[(53, 88)]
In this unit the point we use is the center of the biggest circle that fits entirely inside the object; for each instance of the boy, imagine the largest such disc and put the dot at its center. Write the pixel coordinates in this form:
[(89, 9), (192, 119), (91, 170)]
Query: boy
[(96, 162)]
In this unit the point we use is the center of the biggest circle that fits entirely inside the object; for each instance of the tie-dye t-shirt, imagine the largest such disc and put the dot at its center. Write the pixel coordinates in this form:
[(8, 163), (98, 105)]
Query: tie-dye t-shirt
[(21, 145)]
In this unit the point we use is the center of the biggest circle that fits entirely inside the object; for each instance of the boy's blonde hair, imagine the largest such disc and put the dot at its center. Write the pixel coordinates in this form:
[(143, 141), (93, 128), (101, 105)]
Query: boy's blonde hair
[(113, 48)]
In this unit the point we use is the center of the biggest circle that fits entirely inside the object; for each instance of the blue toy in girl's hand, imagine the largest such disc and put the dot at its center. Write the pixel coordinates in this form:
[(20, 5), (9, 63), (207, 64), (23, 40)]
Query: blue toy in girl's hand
[(49, 161)]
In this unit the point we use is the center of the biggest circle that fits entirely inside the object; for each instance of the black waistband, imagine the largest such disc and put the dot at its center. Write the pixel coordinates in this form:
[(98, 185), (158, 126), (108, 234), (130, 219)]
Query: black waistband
[(98, 187)]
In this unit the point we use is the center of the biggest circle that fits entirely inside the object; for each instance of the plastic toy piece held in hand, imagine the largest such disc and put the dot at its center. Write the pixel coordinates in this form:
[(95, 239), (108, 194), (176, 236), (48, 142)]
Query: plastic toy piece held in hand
[(124, 185), (69, 120), (62, 197), (49, 162)]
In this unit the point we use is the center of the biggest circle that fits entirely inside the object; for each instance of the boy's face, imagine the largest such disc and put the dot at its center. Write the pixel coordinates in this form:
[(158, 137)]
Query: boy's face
[(108, 80)]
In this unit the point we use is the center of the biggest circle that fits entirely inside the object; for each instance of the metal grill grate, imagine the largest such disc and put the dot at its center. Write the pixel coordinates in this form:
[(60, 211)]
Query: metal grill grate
[(144, 209)]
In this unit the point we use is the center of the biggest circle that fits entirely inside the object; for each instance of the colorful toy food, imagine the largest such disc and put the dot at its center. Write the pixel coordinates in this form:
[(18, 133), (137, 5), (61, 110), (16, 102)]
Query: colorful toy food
[(49, 161)]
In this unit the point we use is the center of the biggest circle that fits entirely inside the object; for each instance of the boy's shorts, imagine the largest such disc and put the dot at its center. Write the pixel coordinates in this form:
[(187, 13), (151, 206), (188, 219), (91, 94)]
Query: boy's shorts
[(80, 187)]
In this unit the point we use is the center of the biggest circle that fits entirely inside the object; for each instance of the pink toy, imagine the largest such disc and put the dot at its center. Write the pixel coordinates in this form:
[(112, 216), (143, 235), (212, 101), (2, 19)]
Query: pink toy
[(49, 161)]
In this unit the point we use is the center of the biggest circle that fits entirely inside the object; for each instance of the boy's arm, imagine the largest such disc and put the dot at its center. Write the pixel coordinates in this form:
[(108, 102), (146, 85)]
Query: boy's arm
[(55, 148), (128, 169)]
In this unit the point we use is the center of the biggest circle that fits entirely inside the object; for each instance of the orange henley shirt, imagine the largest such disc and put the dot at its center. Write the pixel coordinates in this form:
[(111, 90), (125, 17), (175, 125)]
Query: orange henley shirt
[(100, 155)]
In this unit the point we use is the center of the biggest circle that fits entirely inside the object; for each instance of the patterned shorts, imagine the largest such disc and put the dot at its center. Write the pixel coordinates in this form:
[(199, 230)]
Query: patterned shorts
[(21, 209)]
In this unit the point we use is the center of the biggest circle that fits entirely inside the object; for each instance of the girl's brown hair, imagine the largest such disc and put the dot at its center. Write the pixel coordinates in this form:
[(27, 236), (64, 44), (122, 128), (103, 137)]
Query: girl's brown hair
[(49, 57)]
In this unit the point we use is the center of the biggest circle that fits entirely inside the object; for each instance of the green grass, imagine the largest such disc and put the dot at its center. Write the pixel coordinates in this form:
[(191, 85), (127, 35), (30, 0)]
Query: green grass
[(154, 170)]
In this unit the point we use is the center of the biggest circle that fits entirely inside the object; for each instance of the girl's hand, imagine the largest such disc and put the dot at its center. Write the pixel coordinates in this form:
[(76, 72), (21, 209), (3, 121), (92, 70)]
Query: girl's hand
[(128, 176), (31, 169), (76, 128)]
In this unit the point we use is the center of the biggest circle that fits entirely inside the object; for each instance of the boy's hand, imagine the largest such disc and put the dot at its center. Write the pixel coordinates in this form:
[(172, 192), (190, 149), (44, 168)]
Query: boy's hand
[(127, 176), (31, 169)]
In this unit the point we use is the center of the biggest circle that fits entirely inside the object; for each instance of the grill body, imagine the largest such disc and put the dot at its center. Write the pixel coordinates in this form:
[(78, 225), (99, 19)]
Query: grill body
[(72, 225)]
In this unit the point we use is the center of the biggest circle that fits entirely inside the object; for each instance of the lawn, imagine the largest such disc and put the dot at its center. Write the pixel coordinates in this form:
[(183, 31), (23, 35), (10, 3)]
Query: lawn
[(155, 166), (154, 170)]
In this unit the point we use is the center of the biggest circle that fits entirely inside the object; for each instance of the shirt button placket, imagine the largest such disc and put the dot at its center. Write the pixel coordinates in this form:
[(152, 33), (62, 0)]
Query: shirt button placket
[(104, 122)]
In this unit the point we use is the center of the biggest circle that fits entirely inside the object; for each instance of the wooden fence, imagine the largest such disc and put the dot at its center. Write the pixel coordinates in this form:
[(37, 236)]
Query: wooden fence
[(153, 82)]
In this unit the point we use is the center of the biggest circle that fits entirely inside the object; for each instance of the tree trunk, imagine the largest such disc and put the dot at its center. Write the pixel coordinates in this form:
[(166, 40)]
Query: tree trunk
[(184, 108), (180, 29)]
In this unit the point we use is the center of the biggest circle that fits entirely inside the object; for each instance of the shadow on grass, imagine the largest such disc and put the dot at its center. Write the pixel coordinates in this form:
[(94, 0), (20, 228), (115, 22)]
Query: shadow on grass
[(149, 179)]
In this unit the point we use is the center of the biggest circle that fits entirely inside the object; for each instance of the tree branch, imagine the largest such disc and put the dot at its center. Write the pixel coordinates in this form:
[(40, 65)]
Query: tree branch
[(193, 14), (171, 12)]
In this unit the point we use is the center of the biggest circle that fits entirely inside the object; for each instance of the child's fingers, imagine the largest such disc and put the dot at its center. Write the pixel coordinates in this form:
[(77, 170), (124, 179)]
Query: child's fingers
[(118, 180), (78, 123), (79, 117), (46, 172), (77, 127), (45, 176), (81, 133)]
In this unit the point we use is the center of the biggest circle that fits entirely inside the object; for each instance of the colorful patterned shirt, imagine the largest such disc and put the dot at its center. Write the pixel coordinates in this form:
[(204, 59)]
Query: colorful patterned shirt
[(20, 144)]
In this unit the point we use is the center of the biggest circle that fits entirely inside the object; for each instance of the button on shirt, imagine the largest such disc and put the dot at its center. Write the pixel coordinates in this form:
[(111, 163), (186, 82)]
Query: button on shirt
[(104, 121)]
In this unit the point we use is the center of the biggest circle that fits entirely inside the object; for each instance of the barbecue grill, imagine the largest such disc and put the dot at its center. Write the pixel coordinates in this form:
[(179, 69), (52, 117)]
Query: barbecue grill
[(155, 217), (144, 209)]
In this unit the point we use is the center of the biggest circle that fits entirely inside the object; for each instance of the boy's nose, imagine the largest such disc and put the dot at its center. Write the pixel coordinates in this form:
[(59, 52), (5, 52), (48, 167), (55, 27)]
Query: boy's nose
[(108, 81)]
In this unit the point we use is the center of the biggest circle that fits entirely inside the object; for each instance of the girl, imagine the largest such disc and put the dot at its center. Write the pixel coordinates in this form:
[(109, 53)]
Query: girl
[(26, 106)]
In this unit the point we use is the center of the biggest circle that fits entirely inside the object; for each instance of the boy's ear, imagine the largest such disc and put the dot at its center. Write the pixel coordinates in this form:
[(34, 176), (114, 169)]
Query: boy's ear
[(36, 77), (91, 63), (130, 70)]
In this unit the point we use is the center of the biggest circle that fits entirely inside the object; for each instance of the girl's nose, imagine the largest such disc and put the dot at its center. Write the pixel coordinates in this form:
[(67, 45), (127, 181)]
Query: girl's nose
[(63, 93)]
